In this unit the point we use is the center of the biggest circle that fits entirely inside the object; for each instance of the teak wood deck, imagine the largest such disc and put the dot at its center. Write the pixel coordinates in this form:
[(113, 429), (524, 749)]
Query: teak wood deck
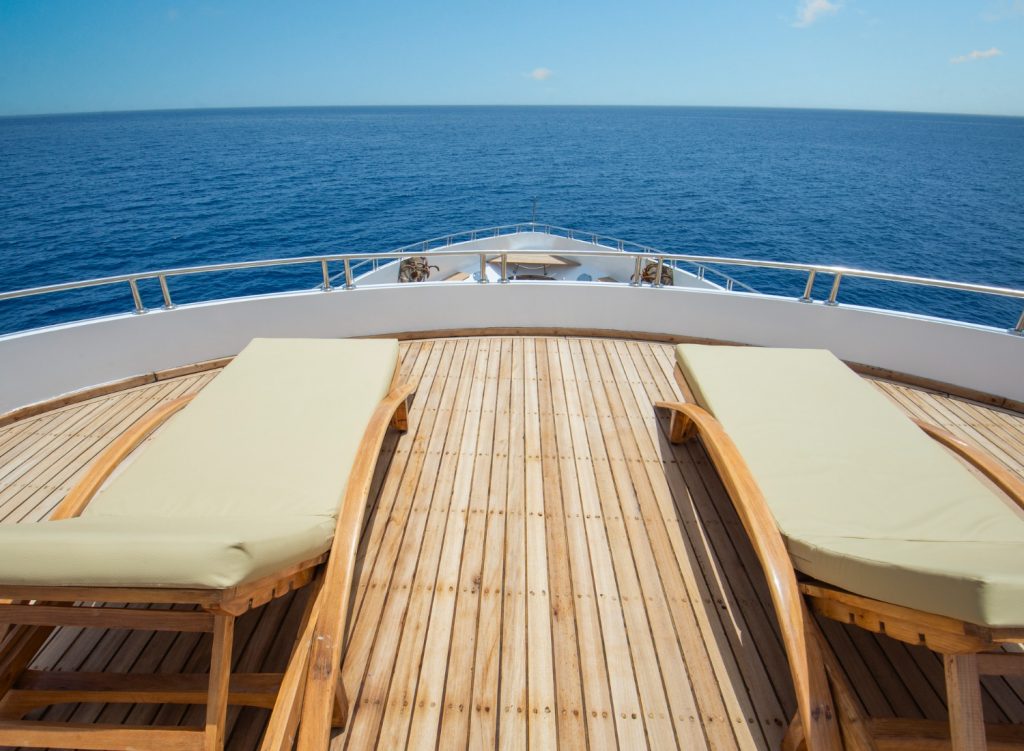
[(541, 568)]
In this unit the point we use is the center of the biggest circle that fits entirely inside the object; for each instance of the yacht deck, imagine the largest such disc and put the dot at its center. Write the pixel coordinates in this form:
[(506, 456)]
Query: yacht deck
[(541, 567)]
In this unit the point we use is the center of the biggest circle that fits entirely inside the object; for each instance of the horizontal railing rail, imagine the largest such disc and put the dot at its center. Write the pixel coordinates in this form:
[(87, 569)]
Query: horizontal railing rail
[(355, 265)]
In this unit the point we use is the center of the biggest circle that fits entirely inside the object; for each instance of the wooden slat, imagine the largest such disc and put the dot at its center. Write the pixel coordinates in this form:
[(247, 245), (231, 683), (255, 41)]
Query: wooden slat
[(89, 737), (571, 711), (105, 618), (483, 729), (458, 547), (710, 579), (540, 656), (405, 592), (512, 707), (624, 685), (652, 506), (435, 494), (667, 705), (458, 689)]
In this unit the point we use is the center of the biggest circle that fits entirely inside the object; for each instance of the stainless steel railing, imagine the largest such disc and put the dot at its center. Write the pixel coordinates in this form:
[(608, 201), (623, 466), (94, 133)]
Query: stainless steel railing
[(354, 264), (702, 271)]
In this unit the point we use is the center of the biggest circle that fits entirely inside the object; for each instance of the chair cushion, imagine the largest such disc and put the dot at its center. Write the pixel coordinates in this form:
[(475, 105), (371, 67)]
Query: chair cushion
[(865, 500), (248, 477), (147, 551), (275, 434)]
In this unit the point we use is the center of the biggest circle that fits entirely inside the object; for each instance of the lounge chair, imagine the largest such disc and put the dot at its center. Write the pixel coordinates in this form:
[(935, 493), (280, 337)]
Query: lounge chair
[(853, 506), (256, 488)]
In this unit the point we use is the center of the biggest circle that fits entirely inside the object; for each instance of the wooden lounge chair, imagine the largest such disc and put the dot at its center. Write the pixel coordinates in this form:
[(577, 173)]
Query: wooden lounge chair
[(257, 487), (853, 509)]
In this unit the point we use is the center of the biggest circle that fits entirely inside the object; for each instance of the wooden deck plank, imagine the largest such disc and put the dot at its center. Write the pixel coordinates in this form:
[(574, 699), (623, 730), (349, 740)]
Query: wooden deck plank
[(423, 371), (512, 719), (538, 567), (655, 509), (597, 693), (438, 648), (458, 687), (540, 679), (365, 681), (726, 587), (571, 718), (483, 729), (441, 540), (625, 691), (669, 708), (374, 691)]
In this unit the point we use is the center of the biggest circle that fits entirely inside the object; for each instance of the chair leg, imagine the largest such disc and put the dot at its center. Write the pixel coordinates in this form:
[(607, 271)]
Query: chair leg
[(680, 428), (220, 676), (340, 718), (853, 725), (284, 719), (794, 739), (963, 694), (400, 420), (18, 649)]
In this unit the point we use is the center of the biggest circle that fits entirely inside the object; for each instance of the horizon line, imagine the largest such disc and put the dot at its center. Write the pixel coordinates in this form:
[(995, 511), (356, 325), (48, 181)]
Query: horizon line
[(155, 110)]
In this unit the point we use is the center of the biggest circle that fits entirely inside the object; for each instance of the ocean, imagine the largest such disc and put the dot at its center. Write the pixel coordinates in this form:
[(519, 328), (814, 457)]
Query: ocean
[(92, 195)]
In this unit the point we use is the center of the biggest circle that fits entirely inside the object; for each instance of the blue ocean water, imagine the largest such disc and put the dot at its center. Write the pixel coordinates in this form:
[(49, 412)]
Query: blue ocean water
[(92, 195)]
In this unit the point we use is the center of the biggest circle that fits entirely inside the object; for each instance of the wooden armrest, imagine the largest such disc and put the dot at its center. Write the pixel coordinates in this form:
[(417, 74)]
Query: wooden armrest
[(806, 665), (992, 468), (329, 628)]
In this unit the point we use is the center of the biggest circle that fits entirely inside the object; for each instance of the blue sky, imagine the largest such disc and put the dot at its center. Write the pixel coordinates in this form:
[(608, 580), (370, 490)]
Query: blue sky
[(96, 55)]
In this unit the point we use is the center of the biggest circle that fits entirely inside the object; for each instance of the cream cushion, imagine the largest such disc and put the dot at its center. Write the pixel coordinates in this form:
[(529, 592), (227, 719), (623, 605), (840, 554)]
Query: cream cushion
[(244, 481), (864, 499)]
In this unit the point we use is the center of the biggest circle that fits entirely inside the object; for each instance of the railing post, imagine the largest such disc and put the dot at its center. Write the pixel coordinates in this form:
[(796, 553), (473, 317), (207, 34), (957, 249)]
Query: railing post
[(326, 286), (657, 274), (835, 290), (166, 293), (637, 272), (729, 281), (483, 268), (809, 287), (139, 308), (348, 274), (1019, 328), (504, 268)]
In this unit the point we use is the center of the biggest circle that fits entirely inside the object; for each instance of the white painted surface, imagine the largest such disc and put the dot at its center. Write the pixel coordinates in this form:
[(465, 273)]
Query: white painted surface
[(41, 364)]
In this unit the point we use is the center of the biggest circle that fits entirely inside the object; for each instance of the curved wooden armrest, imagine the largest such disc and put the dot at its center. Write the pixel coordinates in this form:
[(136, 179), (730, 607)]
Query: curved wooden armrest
[(76, 501), (805, 662), (988, 465), (328, 634)]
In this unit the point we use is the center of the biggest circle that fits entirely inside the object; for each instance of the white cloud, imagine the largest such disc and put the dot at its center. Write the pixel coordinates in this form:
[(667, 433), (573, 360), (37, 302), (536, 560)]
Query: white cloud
[(976, 55), (810, 11), (540, 74)]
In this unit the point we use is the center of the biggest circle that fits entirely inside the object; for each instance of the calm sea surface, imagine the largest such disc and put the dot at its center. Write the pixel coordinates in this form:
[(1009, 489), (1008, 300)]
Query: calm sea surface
[(92, 195)]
